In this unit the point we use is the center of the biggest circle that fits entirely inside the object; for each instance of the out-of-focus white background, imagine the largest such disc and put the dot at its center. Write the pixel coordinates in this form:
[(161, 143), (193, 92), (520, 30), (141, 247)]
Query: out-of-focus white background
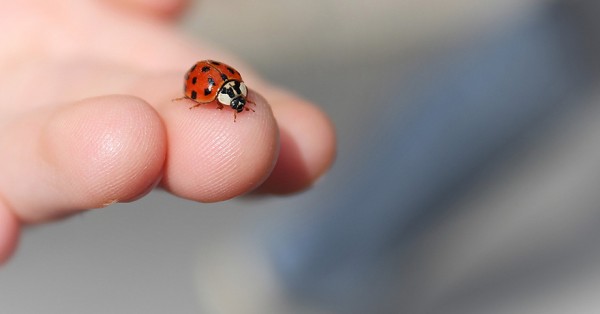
[(143, 257)]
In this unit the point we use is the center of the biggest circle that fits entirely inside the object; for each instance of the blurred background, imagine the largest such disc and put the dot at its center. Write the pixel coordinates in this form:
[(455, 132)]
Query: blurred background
[(467, 178)]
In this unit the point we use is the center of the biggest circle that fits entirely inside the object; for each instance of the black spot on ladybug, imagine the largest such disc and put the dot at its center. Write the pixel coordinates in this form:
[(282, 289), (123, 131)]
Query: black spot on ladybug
[(215, 62), (194, 80), (232, 71), (205, 68), (236, 87), (231, 92), (193, 68), (224, 77), (194, 95), (211, 84)]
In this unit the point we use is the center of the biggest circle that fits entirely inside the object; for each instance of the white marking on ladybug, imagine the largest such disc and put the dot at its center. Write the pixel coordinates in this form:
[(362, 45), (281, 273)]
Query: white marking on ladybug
[(231, 90)]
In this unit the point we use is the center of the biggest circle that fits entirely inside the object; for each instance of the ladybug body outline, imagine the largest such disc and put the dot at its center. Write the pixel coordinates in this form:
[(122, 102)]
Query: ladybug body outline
[(209, 80)]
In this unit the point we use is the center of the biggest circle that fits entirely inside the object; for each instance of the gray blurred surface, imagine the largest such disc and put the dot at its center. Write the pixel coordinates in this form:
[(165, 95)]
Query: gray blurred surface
[(140, 257), (129, 258)]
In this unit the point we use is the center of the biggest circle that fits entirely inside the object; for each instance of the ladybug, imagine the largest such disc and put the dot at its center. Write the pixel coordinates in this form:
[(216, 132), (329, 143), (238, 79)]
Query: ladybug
[(208, 80)]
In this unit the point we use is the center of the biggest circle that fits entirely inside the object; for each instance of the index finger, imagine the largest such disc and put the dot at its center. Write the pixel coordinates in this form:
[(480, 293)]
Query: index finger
[(211, 157)]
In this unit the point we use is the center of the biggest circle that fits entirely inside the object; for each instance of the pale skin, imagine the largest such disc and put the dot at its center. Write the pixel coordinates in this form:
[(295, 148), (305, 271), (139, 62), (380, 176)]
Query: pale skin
[(87, 117)]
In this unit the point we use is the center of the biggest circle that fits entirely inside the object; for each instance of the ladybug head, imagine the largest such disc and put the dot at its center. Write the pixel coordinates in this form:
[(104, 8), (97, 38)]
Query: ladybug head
[(233, 93), (238, 103)]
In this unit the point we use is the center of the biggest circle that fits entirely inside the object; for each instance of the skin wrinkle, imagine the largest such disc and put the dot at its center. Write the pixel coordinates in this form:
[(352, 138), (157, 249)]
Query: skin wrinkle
[(105, 153), (112, 148), (244, 160), (109, 149), (224, 151)]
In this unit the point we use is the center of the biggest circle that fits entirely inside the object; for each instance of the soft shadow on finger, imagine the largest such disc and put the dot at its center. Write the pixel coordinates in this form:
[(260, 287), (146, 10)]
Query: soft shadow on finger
[(308, 144)]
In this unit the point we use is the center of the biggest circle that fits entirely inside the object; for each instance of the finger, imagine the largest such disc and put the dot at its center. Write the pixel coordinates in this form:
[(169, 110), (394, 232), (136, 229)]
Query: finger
[(308, 144), (9, 232), (85, 155), (211, 157), (163, 9)]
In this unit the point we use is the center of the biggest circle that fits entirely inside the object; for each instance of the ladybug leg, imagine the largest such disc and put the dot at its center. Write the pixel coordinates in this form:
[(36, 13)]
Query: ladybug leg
[(250, 109), (182, 98), (234, 116), (220, 106), (196, 105)]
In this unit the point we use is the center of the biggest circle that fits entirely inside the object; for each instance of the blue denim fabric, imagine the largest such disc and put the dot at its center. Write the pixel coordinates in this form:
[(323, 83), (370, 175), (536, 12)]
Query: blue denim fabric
[(460, 111)]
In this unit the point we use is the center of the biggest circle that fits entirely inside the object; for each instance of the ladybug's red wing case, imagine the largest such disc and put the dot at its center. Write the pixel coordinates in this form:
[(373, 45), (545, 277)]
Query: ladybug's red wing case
[(210, 80), (229, 72), (203, 82)]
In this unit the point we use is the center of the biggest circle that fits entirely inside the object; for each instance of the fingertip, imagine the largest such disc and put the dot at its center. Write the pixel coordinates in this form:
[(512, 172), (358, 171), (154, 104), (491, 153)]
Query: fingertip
[(213, 158), (122, 150), (308, 145), (315, 135), (99, 151)]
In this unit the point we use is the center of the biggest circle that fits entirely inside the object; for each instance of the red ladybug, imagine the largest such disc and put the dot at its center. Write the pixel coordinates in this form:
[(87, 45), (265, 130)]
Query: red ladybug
[(208, 80)]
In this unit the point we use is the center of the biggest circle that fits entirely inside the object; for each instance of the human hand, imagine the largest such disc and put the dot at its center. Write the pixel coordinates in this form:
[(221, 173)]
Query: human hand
[(86, 117)]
